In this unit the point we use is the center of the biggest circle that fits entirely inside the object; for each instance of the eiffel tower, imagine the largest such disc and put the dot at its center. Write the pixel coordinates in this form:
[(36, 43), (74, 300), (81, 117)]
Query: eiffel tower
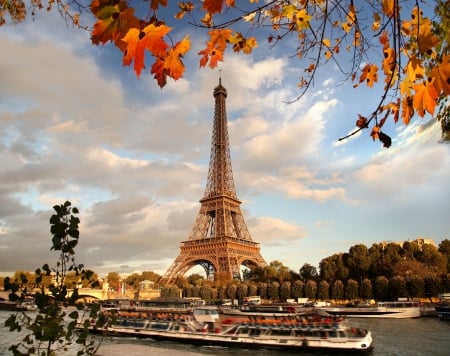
[(220, 241)]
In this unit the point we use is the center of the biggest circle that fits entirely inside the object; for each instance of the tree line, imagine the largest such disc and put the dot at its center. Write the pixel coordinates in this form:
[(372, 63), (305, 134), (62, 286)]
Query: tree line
[(384, 271)]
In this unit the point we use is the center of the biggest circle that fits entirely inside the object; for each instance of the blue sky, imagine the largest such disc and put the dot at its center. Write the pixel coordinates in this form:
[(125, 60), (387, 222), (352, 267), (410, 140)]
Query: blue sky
[(76, 125)]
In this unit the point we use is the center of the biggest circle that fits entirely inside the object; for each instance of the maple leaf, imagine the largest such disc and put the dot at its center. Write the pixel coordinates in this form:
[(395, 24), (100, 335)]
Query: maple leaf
[(369, 74), (388, 7), (242, 44), (441, 75), (159, 74), (155, 4), (215, 47), (377, 134), (415, 69), (302, 19), (362, 122), (213, 6), (407, 109), (113, 22), (388, 61), (184, 7), (425, 97), (385, 139), (173, 65), (211, 54), (150, 38)]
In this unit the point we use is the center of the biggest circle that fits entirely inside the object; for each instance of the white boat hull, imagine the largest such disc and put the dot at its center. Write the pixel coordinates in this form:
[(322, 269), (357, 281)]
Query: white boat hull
[(392, 310)]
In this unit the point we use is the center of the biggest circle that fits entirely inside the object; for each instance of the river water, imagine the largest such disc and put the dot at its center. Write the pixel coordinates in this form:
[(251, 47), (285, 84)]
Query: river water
[(392, 337)]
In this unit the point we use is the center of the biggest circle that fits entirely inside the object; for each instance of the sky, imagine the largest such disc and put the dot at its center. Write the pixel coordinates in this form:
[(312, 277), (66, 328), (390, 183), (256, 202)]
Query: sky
[(133, 158)]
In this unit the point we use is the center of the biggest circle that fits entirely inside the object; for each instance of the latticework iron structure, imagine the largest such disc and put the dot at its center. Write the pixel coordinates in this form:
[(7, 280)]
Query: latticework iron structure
[(220, 241)]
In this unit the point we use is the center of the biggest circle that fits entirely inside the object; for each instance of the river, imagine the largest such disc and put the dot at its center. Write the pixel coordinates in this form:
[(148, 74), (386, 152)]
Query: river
[(392, 337)]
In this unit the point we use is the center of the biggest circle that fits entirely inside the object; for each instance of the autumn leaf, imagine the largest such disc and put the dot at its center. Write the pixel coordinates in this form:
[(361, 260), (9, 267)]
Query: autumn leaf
[(388, 7), (159, 74), (377, 134), (215, 47), (155, 4), (362, 122), (407, 109), (173, 65), (385, 139), (213, 6), (184, 7), (425, 97), (369, 74), (414, 69), (113, 23), (150, 38), (242, 44), (212, 55), (441, 76)]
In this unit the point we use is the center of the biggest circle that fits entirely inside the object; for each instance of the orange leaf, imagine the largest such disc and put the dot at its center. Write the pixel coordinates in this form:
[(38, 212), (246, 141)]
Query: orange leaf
[(441, 76), (215, 47), (425, 97), (113, 23), (155, 4), (211, 54), (407, 109), (388, 7), (369, 74), (150, 38), (173, 65), (159, 73), (414, 69), (213, 6)]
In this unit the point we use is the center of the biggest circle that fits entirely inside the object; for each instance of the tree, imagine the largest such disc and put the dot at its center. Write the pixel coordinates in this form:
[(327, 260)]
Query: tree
[(113, 279), (358, 261), (311, 289), (53, 329), (297, 289), (366, 290), (351, 289), (285, 290), (337, 290), (231, 291), (397, 287), (396, 44), (273, 291), (323, 292), (381, 288), (308, 272), (444, 248), (415, 286)]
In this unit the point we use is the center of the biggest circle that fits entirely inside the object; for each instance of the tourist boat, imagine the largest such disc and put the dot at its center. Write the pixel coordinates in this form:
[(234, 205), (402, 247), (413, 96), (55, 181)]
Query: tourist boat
[(395, 310), (204, 325), (14, 306), (443, 311)]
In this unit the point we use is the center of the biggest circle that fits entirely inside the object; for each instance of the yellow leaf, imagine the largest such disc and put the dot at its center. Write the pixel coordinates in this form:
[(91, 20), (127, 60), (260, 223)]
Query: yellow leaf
[(326, 42), (369, 74), (425, 97), (388, 7), (414, 69), (407, 109), (376, 22)]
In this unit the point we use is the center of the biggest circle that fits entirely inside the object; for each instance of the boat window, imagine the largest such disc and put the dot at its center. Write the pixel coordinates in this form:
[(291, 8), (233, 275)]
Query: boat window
[(254, 332), (341, 334), (281, 332), (243, 331)]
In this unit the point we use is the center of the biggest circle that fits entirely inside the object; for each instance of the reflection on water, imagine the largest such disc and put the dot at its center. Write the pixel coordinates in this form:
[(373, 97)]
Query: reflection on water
[(392, 337)]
